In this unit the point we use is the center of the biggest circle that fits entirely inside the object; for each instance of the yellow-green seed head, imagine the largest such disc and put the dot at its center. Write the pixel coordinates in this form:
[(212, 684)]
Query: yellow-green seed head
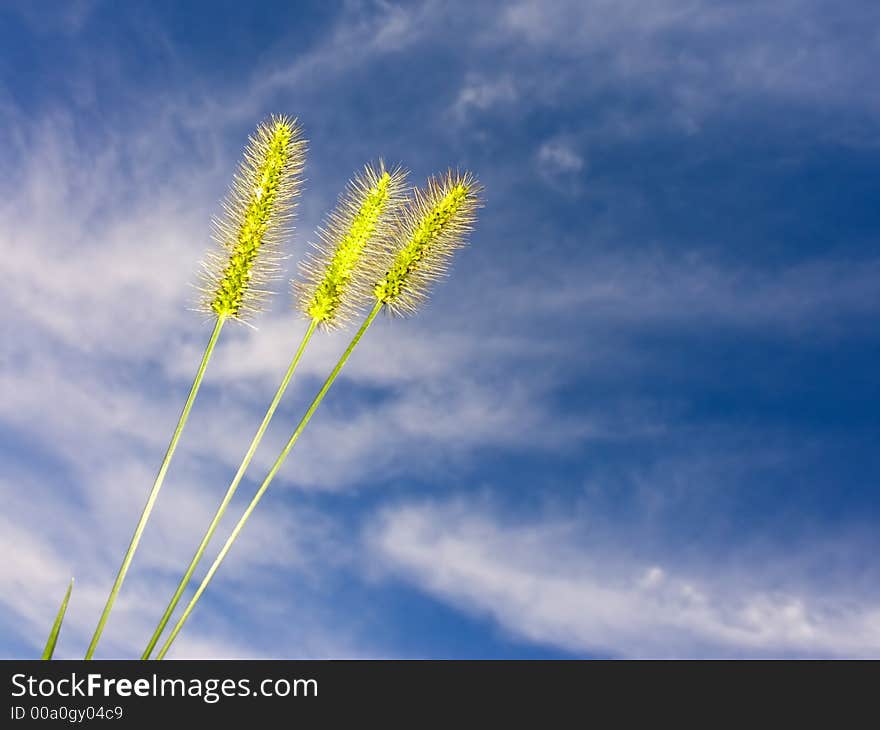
[(365, 214), (257, 214), (433, 225)]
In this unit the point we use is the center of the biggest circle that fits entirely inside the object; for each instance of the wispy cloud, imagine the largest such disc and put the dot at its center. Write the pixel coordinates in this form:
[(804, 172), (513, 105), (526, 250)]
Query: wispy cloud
[(691, 289), (543, 584), (363, 33), (708, 50), (481, 94), (68, 18), (561, 164), (559, 156)]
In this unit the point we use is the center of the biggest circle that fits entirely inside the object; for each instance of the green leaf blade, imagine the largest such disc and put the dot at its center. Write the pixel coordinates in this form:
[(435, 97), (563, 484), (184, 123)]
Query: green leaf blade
[(56, 627)]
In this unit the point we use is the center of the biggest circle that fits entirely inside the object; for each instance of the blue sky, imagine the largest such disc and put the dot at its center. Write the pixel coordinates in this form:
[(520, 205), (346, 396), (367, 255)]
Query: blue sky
[(639, 419)]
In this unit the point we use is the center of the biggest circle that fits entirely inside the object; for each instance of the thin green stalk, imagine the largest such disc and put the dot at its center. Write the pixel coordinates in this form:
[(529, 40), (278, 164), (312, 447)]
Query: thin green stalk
[(56, 627), (230, 492), (157, 485), (268, 480)]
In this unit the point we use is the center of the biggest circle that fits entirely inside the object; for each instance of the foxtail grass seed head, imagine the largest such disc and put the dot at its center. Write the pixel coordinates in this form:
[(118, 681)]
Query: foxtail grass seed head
[(432, 226), (365, 214), (257, 215)]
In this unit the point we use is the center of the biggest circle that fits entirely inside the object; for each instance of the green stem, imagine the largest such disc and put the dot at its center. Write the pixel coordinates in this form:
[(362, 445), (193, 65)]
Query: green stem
[(268, 480), (157, 485), (218, 515)]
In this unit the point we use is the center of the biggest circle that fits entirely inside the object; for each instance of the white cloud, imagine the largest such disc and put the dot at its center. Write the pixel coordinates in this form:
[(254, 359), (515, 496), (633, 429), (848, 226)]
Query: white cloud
[(559, 156), (561, 163), (823, 296), (362, 33), (68, 18), (52, 537), (695, 58), (544, 584), (479, 93)]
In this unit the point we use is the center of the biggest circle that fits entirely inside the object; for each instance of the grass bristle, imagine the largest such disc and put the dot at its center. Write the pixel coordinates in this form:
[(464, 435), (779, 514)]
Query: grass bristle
[(364, 214), (431, 227), (257, 217)]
